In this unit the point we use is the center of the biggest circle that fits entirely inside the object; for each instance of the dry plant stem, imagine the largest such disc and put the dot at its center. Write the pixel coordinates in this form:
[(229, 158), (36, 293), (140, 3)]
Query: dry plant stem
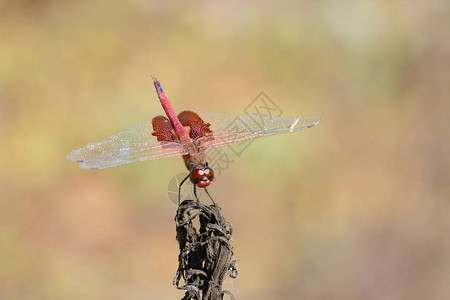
[(206, 255)]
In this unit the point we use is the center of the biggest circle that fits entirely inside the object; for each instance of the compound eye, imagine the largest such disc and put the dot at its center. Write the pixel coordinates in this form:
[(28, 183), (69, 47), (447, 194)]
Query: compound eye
[(197, 175), (209, 173), (202, 176)]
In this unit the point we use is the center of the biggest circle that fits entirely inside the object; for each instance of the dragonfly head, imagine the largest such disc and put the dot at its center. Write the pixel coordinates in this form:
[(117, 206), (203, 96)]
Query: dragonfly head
[(202, 176)]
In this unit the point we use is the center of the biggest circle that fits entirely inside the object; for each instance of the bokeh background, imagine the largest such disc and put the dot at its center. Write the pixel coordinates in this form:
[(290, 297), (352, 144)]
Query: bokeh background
[(355, 208)]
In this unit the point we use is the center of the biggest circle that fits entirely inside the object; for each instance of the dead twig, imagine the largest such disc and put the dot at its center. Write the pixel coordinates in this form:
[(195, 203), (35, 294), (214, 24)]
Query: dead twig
[(206, 255)]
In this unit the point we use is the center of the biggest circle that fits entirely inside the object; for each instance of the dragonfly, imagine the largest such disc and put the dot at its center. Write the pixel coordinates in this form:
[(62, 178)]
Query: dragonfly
[(189, 134)]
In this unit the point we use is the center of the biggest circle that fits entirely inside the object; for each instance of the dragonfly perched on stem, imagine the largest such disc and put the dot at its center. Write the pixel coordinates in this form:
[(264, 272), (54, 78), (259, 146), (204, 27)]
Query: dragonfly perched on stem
[(189, 134)]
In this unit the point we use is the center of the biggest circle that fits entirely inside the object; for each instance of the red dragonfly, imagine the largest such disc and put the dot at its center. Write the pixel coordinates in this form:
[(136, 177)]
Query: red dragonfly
[(189, 134)]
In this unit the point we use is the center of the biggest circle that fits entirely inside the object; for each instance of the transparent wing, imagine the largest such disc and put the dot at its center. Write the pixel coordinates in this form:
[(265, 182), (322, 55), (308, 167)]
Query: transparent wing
[(229, 129), (134, 144)]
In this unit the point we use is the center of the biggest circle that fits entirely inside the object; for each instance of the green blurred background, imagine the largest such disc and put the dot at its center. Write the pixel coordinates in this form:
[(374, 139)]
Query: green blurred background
[(355, 208)]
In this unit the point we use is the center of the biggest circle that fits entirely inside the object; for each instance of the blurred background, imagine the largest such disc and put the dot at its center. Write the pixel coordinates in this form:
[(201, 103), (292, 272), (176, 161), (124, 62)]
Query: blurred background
[(355, 208)]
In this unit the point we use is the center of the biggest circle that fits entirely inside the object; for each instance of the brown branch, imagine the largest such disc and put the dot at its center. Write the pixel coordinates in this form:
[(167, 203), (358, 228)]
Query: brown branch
[(206, 255)]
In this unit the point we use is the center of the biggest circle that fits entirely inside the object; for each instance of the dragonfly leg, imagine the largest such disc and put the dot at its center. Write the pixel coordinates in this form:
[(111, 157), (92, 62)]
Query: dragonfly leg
[(214, 203), (179, 188)]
